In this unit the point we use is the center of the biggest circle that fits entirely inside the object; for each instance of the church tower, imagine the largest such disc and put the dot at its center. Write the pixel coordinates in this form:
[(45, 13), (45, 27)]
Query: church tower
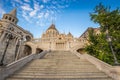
[(10, 17)]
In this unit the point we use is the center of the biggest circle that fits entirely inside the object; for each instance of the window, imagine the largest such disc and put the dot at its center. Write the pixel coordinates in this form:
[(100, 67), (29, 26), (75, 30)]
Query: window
[(11, 28), (6, 17), (13, 20), (0, 25), (9, 18), (59, 38)]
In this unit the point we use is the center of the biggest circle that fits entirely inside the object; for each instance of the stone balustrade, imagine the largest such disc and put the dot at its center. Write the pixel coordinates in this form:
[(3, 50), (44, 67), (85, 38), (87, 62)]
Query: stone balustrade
[(9, 69), (42, 54), (112, 71)]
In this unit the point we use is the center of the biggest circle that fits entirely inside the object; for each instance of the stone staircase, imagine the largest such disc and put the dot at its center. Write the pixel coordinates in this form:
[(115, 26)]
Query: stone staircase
[(59, 65)]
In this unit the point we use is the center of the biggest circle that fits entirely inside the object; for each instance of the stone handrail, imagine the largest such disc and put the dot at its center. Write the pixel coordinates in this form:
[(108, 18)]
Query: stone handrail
[(112, 71), (40, 55), (11, 68)]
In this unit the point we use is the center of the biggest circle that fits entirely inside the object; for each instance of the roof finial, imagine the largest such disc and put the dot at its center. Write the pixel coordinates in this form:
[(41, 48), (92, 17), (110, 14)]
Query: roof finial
[(53, 21)]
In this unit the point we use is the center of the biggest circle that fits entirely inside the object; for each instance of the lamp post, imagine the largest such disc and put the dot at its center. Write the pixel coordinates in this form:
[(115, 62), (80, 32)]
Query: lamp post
[(110, 44), (9, 37), (113, 53)]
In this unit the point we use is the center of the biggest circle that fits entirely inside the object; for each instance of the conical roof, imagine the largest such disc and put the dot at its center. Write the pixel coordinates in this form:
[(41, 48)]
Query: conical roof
[(52, 27), (69, 34), (13, 12)]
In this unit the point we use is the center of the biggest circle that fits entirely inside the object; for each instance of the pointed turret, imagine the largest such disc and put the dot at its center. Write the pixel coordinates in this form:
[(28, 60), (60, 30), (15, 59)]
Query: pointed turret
[(69, 34), (52, 31), (13, 12), (52, 27), (11, 17)]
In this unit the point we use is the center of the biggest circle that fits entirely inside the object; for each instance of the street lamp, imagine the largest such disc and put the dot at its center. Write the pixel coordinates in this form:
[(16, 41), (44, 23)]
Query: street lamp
[(110, 44), (9, 37)]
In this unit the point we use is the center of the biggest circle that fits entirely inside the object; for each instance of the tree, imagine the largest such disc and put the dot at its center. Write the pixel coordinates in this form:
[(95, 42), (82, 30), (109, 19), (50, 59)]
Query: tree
[(109, 21), (98, 47)]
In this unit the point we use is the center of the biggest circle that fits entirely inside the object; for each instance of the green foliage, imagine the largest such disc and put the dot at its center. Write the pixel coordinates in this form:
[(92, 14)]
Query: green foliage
[(99, 47), (108, 20)]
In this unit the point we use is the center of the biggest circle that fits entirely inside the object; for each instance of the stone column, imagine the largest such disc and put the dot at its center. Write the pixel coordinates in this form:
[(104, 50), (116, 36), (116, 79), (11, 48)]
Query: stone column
[(3, 35), (16, 40), (19, 48)]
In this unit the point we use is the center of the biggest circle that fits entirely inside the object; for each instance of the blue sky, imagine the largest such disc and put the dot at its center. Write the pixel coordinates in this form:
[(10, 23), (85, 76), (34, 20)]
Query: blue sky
[(68, 15)]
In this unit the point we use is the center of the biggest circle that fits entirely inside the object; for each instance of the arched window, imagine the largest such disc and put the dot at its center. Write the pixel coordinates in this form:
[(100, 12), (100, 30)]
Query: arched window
[(13, 20), (11, 28), (0, 25), (9, 18), (27, 50), (6, 17)]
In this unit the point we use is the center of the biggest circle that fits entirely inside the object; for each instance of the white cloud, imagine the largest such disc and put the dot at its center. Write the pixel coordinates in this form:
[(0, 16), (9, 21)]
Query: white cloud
[(33, 13), (40, 23), (26, 7), (41, 6), (26, 16), (45, 1), (54, 2), (18, 1), (37, 8), (40, 15), (2, 11), (61, 6), (46, 15), (27, 0), (40, 11)]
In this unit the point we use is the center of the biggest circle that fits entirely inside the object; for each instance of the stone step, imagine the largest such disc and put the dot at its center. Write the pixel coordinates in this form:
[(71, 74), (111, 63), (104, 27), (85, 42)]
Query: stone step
[(59, 66), (60, 70), (64, 63), (53, 61), (60, 62), (60, 79), (58, 59), (63, 73), (69, 71), (59, 76)]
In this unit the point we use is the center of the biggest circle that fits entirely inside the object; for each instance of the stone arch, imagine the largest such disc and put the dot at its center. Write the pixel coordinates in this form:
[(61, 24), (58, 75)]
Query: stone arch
[(80, 50), (77, 47), (38, 50), (27, 50), (28, 38), (33, 47)]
